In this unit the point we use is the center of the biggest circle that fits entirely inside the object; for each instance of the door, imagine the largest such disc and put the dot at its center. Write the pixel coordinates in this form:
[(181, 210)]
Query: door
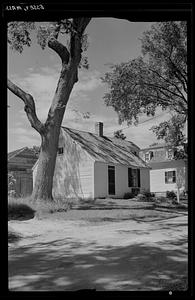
[(111, 180)]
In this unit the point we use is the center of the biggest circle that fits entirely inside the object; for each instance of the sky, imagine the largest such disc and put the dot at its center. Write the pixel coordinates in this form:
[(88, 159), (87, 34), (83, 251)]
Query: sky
[(37, 71)]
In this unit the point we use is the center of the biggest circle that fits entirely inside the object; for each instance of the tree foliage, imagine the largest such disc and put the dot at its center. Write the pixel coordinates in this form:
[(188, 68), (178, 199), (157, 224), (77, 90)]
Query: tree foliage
[(36, 150), (119, 135), (158, 78), (11, 184), (19, 35), (171, 132)]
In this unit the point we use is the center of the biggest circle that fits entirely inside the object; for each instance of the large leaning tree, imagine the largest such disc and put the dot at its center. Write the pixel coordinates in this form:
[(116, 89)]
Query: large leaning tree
[(157, 78), (72, 58)]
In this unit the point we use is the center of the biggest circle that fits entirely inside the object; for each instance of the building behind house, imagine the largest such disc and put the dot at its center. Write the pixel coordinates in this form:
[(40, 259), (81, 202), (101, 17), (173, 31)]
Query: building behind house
[(166, 172), (20, 163)]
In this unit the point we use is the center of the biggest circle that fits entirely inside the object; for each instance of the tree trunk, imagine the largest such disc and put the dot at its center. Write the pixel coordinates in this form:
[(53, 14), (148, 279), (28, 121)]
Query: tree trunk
[(177, 194), (47, 159), (46, 166)]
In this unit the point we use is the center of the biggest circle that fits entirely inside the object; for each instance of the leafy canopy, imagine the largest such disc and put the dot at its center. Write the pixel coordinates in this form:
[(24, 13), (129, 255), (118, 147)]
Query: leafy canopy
[(19, 35), (158, 78)]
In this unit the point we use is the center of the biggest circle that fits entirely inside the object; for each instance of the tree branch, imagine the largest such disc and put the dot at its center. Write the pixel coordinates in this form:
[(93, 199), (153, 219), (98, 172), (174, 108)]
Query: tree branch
[(171, 83), (177, 71), (167, 103), (29, 106), (79, 24), (161, 87), (60, 49)]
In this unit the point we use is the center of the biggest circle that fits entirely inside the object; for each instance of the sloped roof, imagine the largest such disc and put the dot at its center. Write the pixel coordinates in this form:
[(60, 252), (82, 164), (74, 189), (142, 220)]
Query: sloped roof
[(104, 149), (160, 145), (15, 152)]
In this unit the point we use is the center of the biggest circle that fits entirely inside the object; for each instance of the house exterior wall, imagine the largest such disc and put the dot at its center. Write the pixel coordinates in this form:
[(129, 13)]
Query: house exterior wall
[(157, 176), (121, 180), (73, 175), (145, 179)]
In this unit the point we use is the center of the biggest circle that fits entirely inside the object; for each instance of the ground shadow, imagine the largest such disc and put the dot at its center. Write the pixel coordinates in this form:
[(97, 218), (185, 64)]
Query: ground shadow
[(13, 237), (71, 265)]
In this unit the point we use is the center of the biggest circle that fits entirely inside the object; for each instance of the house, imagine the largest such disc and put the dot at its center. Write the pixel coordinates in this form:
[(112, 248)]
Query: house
[(167, 173), (20, 163), (92, 166)]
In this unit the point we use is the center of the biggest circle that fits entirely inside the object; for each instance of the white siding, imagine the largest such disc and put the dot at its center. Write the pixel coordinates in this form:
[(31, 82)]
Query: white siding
[(100, 180), (121, 180), (145, 179), (157, 176), (73, 176)]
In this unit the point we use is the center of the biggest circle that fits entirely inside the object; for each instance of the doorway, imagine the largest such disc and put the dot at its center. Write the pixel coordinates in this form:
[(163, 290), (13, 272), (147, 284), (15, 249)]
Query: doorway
[(111, 180)]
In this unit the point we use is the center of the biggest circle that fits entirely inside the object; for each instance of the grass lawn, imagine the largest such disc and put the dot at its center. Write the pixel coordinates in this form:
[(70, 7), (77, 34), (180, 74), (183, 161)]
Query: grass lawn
[(112, 215), (101, 210)]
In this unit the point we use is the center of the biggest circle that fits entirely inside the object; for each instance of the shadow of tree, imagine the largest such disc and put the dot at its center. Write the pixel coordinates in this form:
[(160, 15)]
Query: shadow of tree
[(71, 265), (13, 237)]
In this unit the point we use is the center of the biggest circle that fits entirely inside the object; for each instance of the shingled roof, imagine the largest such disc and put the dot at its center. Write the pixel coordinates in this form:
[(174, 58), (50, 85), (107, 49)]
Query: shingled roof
[(14, 153), (106, 149)]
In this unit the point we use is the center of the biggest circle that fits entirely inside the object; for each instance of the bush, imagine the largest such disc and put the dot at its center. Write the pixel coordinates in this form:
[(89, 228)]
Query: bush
[(161, 199), (135, 191), (128, 195), (141, 197), (147, 194), (17, 209), (11, 182), (171, 195)]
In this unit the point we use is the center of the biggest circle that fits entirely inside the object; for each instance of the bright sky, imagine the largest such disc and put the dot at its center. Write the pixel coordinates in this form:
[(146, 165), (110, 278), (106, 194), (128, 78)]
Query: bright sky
[(37, 71)]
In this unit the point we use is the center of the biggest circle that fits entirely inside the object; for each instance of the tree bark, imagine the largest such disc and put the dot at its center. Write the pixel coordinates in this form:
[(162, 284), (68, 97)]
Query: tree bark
[(178, 197), (46, 165), (49, 145)]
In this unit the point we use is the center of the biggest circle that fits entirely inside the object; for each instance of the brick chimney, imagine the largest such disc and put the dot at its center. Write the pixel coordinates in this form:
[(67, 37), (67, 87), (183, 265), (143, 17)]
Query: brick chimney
[(99, 128)]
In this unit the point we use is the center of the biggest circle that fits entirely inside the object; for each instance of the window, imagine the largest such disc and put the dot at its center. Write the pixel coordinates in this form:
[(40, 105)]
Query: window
[(60, 150), (170, 177), (170, 154), (147, 156), (133, 177)]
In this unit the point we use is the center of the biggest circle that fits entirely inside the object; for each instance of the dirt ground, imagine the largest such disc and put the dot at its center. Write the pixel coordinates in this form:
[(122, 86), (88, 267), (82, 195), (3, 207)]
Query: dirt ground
[(70, 255)]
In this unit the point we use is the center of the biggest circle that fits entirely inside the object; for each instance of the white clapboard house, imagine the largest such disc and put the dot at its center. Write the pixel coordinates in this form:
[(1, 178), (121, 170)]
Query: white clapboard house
[(91, 165), (166, 173)]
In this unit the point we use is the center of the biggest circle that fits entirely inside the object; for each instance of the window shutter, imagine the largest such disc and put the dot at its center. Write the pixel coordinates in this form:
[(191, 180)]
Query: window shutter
[(138, 177), (166, 179), (174, 176)]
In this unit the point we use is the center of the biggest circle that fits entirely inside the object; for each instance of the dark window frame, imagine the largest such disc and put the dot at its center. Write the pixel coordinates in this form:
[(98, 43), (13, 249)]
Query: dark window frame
[(134, 179), (170, 174)]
